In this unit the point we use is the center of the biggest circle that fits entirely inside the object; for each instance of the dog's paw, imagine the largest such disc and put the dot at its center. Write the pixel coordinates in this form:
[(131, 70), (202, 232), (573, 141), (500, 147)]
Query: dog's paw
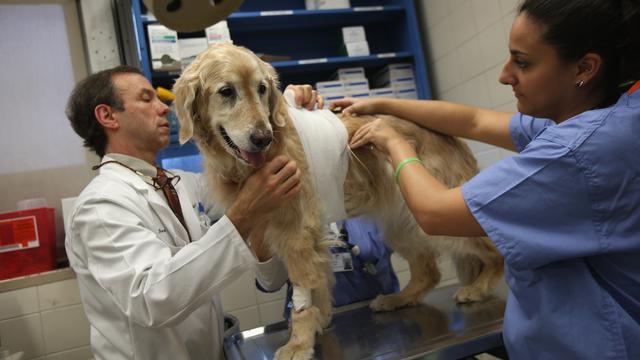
[(469, 294), (389, 302), (294, 352)]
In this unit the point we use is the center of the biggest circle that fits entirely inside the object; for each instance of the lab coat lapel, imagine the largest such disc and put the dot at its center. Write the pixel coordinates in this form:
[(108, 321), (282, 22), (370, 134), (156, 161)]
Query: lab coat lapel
[(190, 212), (168, 218), (156, 202)]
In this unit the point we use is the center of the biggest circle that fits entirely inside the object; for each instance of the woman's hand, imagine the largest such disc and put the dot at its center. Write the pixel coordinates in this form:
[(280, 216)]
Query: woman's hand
[(306, 97), (377, 133), (352, 106)]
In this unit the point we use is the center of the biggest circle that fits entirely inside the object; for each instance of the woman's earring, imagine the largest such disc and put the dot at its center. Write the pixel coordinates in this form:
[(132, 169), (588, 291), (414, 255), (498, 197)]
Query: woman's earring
[(580, 83)]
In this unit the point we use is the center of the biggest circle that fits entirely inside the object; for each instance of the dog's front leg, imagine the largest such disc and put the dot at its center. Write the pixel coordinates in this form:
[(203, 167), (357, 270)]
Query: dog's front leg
[(308, 267)]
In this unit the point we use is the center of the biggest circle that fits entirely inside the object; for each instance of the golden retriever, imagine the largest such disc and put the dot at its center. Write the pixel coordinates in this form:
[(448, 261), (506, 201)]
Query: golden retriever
[(228, 100)]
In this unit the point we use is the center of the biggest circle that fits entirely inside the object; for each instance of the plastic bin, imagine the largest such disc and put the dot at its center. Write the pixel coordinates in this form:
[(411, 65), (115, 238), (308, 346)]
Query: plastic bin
[(27, 242)]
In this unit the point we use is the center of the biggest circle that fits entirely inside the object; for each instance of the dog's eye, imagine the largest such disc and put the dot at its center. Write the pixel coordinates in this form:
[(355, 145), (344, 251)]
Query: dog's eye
[(226, 91), (262, 88)]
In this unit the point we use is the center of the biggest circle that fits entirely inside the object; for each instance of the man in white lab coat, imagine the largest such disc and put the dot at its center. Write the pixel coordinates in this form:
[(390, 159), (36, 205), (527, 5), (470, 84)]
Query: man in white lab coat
[(150, 284)]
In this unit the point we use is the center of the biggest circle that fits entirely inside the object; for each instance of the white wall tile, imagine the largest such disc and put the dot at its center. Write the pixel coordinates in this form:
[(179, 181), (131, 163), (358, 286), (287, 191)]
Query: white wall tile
[(446, 72), (488, 158), (18, 302), (264, 297), (81, 353), (75, 324), (471, 92), (454, 5), (271, 312), (403, 278), (399, 263), (508, 6), (469, 59), (249, 317), (499, 93), (241, 293), (58, 294), (441, 40), (463, 25), (447, 270), (434, 11), (477, 146), (23, 334), (509, 107), (493, 47), (487, 12)]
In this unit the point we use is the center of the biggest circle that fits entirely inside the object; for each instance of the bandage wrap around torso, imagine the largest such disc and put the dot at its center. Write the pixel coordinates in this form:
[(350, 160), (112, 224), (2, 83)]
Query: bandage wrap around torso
[(324, 139)]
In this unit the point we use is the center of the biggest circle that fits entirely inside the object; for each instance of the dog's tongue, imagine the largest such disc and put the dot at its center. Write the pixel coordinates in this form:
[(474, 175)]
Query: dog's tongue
[(256, 159)]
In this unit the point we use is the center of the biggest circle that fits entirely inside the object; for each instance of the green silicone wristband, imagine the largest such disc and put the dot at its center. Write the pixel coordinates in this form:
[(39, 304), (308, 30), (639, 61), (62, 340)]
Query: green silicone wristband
[(402, 164)]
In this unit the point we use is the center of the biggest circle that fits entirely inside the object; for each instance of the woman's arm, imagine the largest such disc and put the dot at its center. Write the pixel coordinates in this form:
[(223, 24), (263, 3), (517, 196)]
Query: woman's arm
[(437, 209), (485, 125)]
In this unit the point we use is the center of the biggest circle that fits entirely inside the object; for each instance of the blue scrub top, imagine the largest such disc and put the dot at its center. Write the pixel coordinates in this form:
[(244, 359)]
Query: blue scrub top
[(565, 214)]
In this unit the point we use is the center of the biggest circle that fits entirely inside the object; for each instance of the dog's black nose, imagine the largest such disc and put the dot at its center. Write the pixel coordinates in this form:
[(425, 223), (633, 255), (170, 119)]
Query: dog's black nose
[(261, 138)]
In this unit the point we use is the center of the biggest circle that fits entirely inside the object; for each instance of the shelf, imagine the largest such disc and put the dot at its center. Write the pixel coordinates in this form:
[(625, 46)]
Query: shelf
[(280, 19)]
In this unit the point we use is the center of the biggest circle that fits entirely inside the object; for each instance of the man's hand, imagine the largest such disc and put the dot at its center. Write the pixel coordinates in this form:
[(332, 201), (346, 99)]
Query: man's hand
[(264, 191), (306, 97)]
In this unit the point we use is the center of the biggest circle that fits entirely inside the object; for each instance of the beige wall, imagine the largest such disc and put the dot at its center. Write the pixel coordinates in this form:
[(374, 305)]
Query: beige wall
[(465, 43), (51, 183)]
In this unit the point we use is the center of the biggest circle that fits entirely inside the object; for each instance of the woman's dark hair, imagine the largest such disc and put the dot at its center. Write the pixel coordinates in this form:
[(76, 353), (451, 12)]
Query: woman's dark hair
[(610, 28), (95, 90)]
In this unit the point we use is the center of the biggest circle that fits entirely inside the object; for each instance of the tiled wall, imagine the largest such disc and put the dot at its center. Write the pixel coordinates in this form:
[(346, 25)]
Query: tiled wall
[(46, 322), (466, 46)]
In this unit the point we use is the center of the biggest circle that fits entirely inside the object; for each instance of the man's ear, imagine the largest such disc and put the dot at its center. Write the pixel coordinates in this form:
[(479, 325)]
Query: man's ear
[(588, 67), (104, 115)]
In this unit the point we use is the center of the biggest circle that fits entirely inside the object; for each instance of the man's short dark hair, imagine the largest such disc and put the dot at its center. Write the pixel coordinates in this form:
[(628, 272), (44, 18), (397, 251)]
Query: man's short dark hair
[(95, 90)]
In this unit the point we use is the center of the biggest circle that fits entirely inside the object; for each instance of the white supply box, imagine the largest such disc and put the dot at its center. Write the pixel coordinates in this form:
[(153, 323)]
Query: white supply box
[(329, 98), (382, 93), (332, 4), (408, 93), (357, 48), (353, 34), (163, 45), (218, 33), (191, 48), (393, 72), (356, 85), (327, 87), (350, 73)]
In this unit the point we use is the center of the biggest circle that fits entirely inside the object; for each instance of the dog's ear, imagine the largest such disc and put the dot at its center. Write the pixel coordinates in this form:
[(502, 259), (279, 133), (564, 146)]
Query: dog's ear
[(188, 90), (277, 106)]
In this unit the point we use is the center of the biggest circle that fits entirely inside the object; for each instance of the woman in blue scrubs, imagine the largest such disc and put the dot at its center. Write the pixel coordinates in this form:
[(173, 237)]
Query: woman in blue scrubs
[(565, 211)]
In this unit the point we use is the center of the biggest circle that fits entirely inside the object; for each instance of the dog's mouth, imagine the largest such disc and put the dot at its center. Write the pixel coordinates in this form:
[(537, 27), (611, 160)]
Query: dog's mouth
[(255, 159)]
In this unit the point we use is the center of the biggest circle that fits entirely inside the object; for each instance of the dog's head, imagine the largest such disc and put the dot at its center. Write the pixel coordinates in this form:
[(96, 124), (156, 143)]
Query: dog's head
[(228, 98)]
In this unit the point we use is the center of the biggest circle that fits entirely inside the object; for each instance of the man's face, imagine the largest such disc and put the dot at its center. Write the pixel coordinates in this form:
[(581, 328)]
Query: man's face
[(143, 122)]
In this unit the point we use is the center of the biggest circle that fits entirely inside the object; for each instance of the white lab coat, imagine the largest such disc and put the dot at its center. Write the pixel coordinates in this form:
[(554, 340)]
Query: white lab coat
[(147, 292)]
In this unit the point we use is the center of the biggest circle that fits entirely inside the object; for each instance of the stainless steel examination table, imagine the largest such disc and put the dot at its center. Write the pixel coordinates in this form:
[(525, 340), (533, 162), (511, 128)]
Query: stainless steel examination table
[(437, 329)]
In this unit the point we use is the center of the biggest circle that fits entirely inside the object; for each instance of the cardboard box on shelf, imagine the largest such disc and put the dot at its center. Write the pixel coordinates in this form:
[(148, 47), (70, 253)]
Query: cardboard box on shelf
[(190, 48), (163, 46)]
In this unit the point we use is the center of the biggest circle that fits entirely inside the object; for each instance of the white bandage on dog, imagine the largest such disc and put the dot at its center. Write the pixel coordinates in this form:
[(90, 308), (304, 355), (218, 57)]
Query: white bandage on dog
[(324, 139), (301, 298)]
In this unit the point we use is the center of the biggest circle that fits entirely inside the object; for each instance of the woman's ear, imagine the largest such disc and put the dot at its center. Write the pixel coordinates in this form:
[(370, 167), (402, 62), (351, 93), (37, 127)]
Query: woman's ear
[(588, 67)]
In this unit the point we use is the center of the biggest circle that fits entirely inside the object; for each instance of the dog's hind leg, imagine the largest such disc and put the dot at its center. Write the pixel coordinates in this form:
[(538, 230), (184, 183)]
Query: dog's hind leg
[(425, 275), (478, 272)]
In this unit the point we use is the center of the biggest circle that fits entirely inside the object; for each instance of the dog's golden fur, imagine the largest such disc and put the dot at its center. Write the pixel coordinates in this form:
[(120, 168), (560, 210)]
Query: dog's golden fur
[(227, 95)]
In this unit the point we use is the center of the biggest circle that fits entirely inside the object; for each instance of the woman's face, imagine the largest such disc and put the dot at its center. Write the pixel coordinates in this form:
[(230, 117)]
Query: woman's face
[(543, 84)]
